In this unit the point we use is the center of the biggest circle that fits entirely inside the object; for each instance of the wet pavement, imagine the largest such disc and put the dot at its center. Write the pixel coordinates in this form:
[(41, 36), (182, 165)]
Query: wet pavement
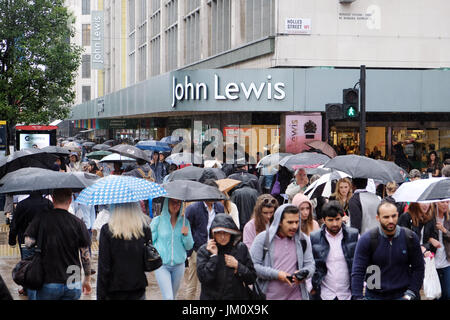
[(9, 257)]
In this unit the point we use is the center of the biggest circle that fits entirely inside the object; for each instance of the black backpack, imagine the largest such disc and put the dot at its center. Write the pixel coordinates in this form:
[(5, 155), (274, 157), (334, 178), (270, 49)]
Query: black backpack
[(374, 238)]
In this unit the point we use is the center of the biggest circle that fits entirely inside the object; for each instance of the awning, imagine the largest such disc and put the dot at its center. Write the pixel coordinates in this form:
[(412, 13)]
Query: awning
[(55, 123), (89, 130)]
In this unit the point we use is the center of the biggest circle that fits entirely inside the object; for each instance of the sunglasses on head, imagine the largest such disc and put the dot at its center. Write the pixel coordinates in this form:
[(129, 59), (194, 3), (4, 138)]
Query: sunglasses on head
[(268, 201)]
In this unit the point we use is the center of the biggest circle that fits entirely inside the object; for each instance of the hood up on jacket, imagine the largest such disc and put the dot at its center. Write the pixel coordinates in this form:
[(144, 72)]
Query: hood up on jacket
[(301, 198), (276, 222), (165, 208), (224, 222)]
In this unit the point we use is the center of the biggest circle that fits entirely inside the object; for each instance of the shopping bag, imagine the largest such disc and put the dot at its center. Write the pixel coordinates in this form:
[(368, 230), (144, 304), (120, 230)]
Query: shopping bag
[(431, 284)]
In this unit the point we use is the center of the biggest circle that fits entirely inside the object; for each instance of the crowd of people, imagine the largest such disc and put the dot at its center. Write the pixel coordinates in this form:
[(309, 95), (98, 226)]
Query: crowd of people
[(269, 234)]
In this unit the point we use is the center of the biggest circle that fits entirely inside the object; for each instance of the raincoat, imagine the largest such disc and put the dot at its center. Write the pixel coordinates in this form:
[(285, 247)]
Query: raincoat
[(219, 282)]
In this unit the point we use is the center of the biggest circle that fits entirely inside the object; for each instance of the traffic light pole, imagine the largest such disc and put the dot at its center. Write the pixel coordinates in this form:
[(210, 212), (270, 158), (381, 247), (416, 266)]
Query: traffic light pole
[(362, 123)]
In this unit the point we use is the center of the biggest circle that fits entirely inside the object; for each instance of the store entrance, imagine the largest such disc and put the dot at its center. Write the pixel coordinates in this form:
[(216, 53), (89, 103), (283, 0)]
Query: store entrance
[(345, 140)]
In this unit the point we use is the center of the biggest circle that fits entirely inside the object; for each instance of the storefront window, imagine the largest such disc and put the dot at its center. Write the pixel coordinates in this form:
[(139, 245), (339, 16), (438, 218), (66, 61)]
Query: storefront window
[(418, 143)]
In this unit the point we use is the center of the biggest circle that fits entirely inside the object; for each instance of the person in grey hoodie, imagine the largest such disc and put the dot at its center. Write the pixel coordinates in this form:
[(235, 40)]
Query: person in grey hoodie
[(288, 251)]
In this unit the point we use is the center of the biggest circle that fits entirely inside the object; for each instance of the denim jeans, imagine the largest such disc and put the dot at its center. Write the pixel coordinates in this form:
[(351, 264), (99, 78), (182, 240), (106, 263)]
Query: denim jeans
[(444, 279), (59, 291), (169, 280)]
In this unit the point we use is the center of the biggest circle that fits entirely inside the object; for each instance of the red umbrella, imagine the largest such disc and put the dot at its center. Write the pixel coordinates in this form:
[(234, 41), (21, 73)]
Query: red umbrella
[(322, 146)]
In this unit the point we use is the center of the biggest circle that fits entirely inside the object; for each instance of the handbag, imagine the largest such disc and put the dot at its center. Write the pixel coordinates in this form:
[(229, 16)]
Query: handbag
[(29, 272), (152, 259), (276, 189), (431, 283), (255, 292)]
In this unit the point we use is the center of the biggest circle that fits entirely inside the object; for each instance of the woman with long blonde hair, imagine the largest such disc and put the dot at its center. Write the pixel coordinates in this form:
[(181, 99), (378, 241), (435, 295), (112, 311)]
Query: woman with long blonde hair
[(343, 193), (121, 274)]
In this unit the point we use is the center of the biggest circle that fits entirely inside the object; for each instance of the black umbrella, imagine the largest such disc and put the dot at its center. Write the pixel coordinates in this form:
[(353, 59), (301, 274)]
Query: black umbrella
[(30, 157), (130, 151), (363, 167), (247, 179), (101, 147), (304, 160), (27, 180), (196, 174), (186, 190), (59, 151), (110, 142), (439, 190)]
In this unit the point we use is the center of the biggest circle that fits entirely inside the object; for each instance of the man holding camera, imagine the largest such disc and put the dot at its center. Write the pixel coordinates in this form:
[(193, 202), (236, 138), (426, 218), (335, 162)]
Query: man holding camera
[(333, 248), (282, 257)]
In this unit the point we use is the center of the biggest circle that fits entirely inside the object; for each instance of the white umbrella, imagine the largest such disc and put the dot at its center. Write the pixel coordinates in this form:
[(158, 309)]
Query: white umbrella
[(322, 186), (115, 157), (411, 191)]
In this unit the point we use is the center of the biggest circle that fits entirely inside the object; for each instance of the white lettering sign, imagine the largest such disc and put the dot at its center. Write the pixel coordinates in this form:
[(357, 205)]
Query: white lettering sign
[(186, 90), (97, 40), (298, 26)]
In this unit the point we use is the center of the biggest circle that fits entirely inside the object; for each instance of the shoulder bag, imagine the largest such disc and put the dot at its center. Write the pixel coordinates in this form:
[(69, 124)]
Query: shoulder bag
[(152, 259), (29, 272)]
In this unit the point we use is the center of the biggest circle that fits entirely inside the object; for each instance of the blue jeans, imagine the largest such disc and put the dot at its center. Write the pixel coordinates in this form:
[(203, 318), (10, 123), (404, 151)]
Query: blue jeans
[(59, 291), (444, 279), (169, 280)]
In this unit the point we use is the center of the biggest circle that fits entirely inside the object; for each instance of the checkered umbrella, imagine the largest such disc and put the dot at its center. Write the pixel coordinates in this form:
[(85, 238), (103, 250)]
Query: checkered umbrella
[(120, 189)]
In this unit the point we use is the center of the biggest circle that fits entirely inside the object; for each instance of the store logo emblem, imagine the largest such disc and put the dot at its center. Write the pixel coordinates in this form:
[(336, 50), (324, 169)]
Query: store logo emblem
[(233, 91)]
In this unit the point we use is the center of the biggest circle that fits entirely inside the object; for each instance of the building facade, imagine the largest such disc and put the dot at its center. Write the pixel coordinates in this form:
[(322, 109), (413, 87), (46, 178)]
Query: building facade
[(314, 48)]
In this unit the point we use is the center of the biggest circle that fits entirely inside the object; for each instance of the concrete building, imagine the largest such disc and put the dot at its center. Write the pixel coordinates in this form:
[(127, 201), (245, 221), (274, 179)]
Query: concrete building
[(315, 48)]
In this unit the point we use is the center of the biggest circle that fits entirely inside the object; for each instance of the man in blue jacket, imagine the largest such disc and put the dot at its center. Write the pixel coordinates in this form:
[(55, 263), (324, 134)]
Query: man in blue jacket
[(393, 255), (200, 215), (333, 248)]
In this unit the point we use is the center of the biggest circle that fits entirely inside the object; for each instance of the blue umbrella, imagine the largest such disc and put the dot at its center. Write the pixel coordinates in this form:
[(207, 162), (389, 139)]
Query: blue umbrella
[(120, 189), (153, 145), (171, 139)]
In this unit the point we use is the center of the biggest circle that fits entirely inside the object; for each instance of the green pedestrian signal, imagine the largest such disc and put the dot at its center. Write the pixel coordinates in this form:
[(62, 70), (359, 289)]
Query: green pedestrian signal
[(351, 112)]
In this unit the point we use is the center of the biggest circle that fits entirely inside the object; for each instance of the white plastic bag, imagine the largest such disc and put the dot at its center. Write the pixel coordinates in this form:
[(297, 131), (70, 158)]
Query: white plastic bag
[(431, 284)]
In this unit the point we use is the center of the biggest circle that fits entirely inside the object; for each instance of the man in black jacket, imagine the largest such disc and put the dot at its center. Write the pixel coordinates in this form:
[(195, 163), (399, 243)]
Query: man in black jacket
[(23, 214), (333, 248)]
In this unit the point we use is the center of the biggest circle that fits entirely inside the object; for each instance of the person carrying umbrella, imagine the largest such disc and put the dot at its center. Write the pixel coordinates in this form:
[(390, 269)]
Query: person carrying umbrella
[(172, 238), (298, 185), (74, 164), (64, 239)]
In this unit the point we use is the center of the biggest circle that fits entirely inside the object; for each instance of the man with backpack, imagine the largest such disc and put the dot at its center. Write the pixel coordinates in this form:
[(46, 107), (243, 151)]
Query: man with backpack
[(142, 170), (393, 260), (283, 258)]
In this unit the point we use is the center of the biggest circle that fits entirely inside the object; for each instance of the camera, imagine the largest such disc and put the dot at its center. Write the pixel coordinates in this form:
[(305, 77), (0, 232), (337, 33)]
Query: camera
[(299, 275)]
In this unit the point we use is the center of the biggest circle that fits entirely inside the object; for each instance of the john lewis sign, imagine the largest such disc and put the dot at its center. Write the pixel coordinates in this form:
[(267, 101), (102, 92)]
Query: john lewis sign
[(184, 89)]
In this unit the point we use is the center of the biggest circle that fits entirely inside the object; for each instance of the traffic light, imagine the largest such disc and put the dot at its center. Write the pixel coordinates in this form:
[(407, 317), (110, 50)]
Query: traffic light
[(350, 103), (334, 111)]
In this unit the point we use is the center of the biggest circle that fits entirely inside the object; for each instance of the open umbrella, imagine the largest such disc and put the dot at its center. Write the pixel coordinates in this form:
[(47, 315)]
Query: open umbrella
[(26, 180), (272, 160), (184, 158), (324, 147), (98, 155), (153, 145), (30, 157), (56, 150), (88, 144), (120, 189), (411, 191), (171, 139), (130, 151), (437, 191), (101, 147), (304, 160), (186, 190), (110, 142), (227, 184), (399, 174), (195, 174), (73, 146), (322, 186), (115, 157), (364, 167)]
